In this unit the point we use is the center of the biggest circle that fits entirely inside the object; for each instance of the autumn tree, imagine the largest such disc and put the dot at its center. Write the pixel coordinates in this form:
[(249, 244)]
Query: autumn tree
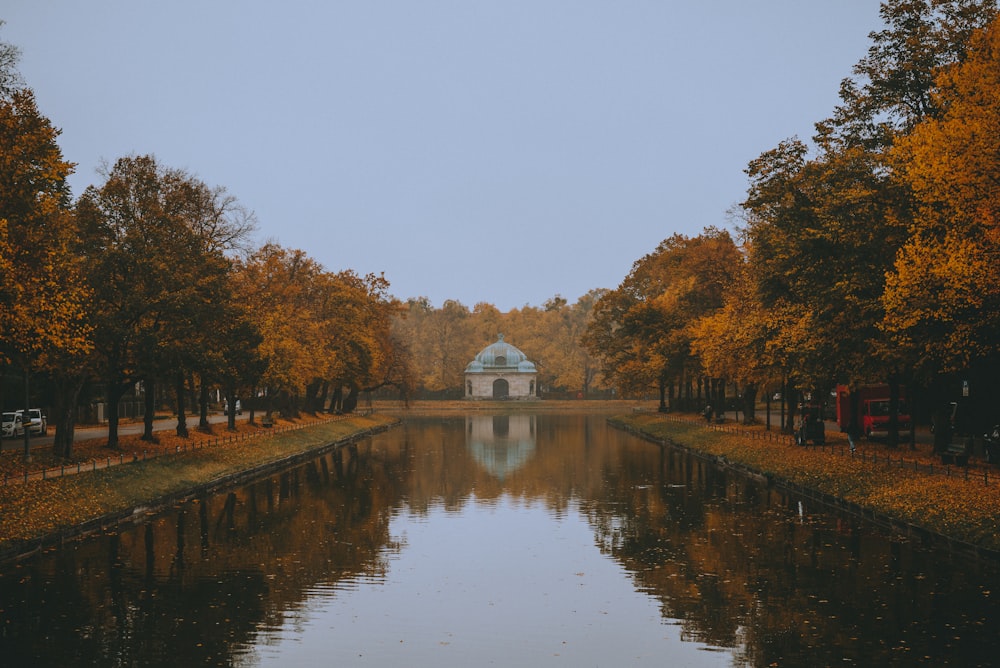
[(942, 300), (824, 229), (641, 331), (43, 299), (279, 284), (891, 89), (733, 341), (441, 341), (564, 363), (154, 241), (364, 353), (817, 253)]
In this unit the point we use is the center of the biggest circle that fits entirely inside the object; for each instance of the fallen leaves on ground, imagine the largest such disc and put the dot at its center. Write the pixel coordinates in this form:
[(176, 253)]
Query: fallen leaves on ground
[(39, 507), (911, 485)]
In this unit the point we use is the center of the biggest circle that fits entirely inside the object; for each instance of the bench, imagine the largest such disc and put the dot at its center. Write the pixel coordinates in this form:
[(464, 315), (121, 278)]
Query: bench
[(956, 453)]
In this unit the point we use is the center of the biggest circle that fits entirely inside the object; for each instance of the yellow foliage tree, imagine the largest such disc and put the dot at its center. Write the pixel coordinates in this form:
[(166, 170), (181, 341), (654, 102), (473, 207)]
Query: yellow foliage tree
[(942, 298), (43, 299)]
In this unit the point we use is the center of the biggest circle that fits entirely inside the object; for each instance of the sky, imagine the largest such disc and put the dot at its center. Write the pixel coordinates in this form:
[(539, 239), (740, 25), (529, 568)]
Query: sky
[(475, 150)]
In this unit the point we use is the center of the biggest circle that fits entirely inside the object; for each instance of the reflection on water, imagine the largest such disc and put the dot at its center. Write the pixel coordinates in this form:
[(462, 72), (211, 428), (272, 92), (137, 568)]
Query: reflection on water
[(522, 539), (501, 443)]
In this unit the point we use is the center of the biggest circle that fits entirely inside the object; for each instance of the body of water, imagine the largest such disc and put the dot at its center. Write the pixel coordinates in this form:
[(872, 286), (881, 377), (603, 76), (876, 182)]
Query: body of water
[(513, 540)]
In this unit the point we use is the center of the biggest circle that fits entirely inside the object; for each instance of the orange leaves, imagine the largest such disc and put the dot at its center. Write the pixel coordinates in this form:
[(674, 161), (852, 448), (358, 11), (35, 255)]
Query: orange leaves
[(41, 293), (906, 485)]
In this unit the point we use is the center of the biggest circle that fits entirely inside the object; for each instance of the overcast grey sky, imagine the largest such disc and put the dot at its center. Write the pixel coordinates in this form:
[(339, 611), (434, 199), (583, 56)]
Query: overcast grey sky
[(483, 151)]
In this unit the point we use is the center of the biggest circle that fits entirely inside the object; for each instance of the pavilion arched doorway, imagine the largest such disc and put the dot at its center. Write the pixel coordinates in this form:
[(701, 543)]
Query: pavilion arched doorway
[(501, 389)]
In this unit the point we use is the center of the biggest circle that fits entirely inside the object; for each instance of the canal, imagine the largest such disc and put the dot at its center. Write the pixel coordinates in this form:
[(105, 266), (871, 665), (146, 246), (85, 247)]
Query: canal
[(523, 539)]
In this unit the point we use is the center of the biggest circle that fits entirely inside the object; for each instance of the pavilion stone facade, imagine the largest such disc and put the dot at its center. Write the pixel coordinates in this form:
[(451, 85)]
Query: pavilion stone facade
[(501, 371)]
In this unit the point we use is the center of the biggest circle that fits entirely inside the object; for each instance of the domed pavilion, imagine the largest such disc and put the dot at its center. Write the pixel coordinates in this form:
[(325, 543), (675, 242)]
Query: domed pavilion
[(500, 371)]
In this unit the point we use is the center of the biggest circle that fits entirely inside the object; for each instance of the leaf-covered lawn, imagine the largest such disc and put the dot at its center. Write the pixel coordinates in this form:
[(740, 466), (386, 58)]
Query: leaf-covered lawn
[(964, 505), (40, 507)]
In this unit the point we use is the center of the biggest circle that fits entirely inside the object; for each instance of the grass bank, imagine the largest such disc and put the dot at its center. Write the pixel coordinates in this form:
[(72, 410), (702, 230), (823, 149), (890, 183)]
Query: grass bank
[(906, 487), (42, 512)]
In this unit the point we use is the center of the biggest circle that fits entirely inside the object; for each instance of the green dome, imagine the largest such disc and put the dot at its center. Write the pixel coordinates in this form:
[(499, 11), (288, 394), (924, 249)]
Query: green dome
[(500, 355)]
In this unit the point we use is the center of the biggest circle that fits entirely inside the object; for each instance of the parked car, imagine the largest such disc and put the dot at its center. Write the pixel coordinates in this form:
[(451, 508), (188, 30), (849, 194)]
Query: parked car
[(10, 427), (38, 424)]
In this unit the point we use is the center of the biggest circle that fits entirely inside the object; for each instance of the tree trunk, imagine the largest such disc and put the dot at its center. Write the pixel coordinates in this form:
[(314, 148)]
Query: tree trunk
[(179, 388), (854, 423), (231, 406), (311, 398), (750, 404), (64, 415), (192, 394), (351, 401), (203, 407), (252, 406), (767, 409), (720, 410), (893, 437), (149, 412), (324, 393), (790, 399), (116, 390)]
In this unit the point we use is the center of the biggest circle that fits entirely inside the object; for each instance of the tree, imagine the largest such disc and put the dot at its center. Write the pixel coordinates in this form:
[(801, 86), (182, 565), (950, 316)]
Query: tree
[(893, 85), (641, 331), (565, 363), (10, 78), (154, 239), (823, 231), (441, 341), (817, 250), (43, 299), (942, 299), (733, 341), (279, 284), (365, 354)]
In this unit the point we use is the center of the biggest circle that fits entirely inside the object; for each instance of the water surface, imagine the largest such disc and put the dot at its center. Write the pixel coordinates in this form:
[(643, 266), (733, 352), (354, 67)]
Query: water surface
[(528, 540)]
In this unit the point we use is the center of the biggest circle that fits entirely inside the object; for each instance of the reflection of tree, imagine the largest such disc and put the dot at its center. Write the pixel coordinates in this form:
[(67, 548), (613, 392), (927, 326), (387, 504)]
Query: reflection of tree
[(733, 560), (193, 586), (729, 557)]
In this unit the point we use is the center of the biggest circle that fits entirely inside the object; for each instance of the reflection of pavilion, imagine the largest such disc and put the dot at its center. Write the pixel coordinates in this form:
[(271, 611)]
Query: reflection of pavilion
[(500, 443)]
